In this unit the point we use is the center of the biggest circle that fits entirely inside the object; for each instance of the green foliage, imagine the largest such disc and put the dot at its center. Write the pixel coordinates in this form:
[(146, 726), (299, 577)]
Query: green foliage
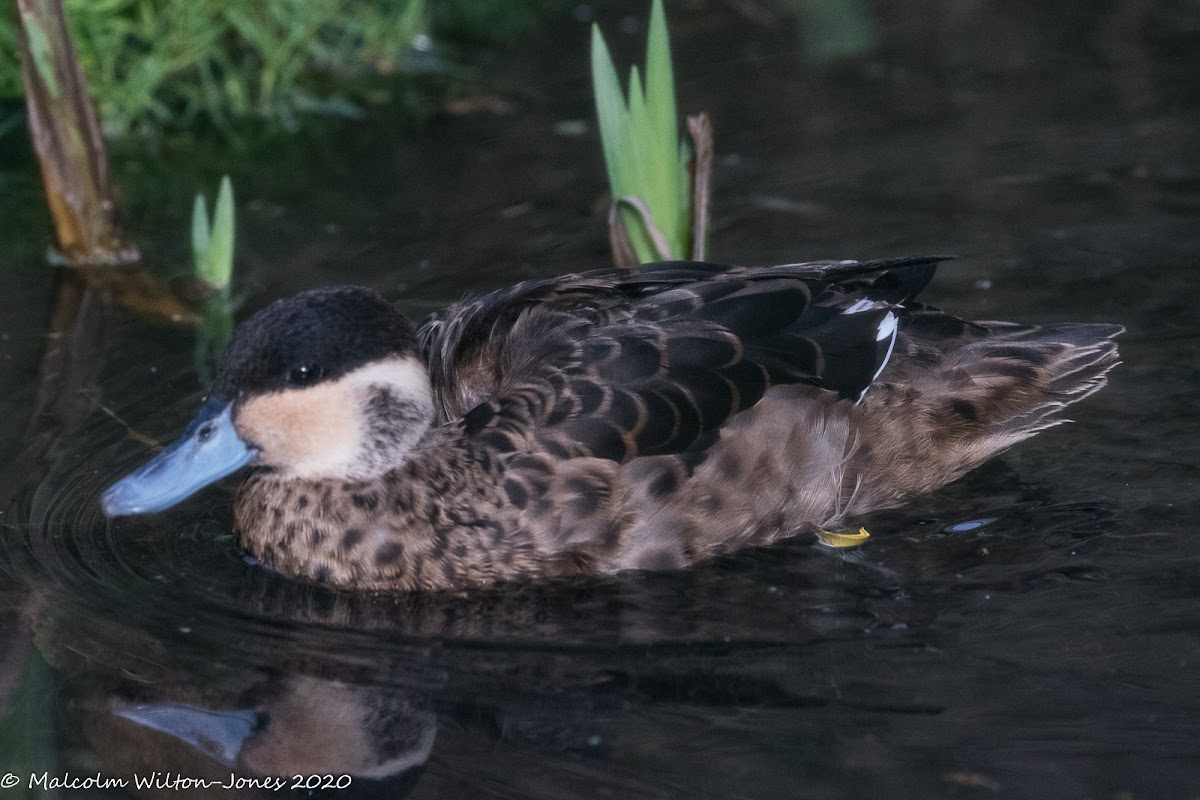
[(10, 75), (170, 63), (646, 160), (174, 64), (212, 245)]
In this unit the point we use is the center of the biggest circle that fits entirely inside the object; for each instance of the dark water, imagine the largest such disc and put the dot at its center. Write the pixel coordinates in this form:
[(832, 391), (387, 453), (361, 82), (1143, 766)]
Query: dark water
[(1053, 652)]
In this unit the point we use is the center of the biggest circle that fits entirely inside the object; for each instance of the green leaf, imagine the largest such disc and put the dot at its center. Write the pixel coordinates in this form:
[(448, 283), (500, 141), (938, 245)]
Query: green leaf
[(663, 127), (611, 111), (640, 136), (220, 250), (644, 183), (200, 236)]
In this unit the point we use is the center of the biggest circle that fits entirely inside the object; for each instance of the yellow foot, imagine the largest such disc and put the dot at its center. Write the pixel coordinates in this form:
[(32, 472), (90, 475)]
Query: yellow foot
[(833, 539)]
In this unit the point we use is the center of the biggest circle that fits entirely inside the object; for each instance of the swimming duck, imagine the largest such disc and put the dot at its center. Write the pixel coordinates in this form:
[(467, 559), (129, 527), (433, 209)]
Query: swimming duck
[(604, 421)]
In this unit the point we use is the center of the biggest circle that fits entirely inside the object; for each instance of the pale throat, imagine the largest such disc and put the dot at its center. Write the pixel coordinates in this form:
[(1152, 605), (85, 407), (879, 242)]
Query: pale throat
[(356, 427)]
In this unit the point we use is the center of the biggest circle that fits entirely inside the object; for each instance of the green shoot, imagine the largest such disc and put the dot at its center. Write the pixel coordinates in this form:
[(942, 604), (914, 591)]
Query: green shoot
[(647, 162), (214, 332), (212, 244), (200, 235)]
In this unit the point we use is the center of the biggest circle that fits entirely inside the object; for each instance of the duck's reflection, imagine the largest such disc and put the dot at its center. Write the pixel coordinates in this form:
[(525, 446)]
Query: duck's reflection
[(176, 732), (302, 726), (249, 675), (190, 709)]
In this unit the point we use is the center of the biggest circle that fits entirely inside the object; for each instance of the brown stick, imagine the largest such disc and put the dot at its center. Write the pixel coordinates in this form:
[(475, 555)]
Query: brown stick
[(623, 254), (701, 130), (66, 135), (662, 247)]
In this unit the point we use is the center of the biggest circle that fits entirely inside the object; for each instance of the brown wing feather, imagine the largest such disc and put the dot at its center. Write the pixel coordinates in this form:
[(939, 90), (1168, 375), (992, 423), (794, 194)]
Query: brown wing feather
[(465, 344), (617, 365)]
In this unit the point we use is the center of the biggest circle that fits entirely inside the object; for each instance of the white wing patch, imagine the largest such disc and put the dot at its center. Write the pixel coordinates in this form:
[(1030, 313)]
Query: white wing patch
[(888, 328), (864, 304)]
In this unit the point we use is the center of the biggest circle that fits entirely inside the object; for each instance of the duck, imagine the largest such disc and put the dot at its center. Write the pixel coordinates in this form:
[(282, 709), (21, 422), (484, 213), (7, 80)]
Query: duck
[(603, 421)]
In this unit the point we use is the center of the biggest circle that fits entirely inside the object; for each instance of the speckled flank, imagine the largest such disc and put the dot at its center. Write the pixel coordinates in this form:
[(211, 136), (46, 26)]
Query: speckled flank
[(411, 534)]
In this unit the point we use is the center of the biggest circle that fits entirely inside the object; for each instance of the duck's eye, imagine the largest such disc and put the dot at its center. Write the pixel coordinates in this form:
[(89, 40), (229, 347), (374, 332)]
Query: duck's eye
[(304, 374)]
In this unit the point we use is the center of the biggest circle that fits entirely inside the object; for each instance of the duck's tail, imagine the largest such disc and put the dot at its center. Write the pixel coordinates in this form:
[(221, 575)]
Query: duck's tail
[(1067, 362), (942, 410)]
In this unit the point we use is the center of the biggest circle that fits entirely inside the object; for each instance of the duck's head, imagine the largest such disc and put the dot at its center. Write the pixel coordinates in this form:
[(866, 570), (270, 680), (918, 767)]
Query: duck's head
[(325, 385)]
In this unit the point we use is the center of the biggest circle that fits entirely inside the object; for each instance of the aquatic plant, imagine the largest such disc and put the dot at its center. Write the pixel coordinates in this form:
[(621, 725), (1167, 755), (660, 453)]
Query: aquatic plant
[(647, 162), (212, 257), (659, 183), (212, 242)]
